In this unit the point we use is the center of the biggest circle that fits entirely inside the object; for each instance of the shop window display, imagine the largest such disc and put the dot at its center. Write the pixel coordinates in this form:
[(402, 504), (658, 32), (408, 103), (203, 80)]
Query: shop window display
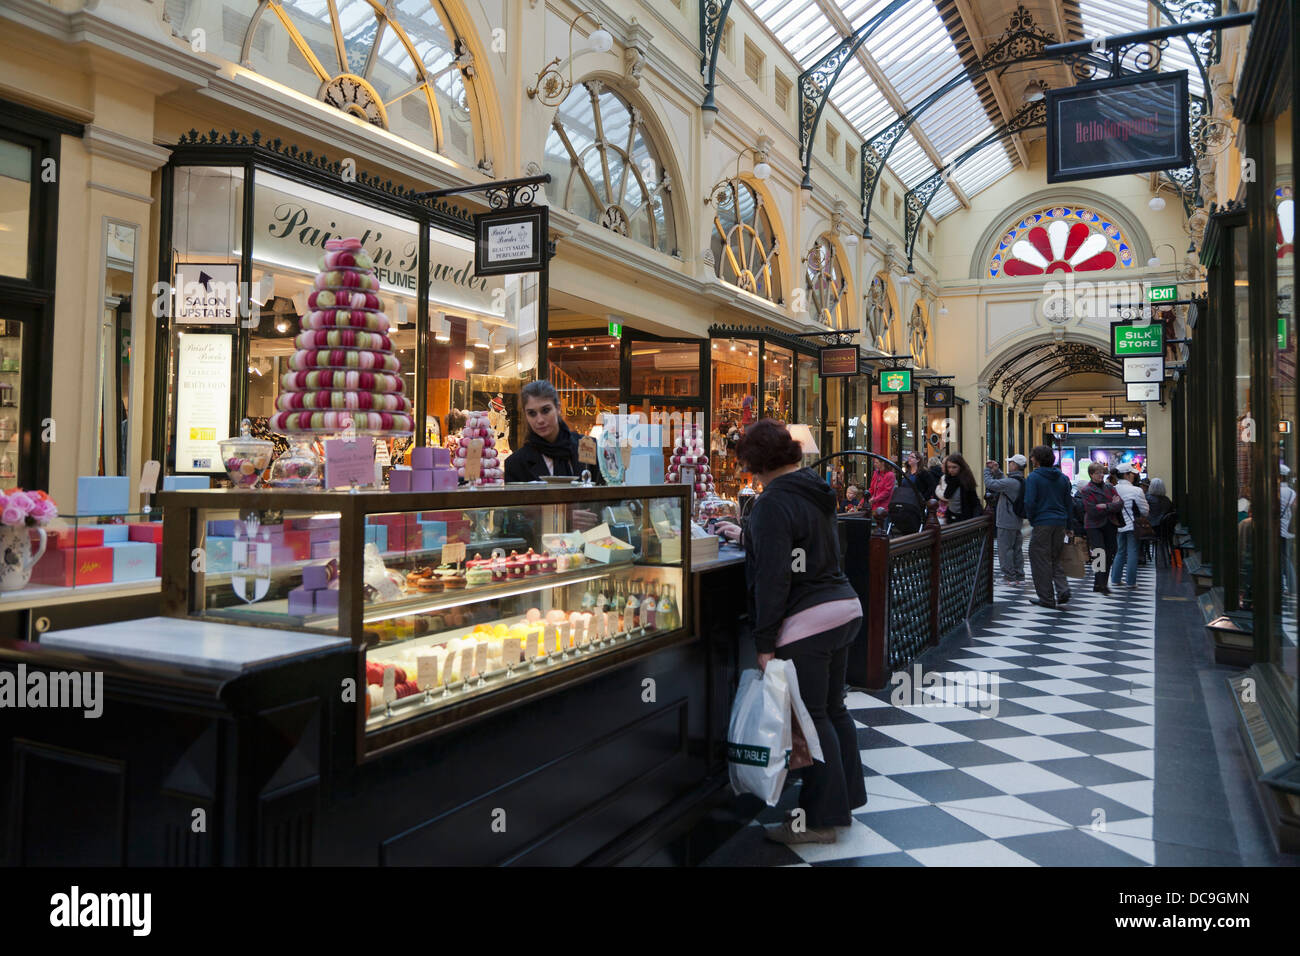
[(606, 169), (778, 383), (1245, 425), (585, 372), (15, 207), (734, 399), (745, 250), (399, 66), (1283, 653)]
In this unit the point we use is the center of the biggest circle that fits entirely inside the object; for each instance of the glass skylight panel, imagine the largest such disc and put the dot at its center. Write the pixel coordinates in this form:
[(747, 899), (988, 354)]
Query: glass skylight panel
[(984, 169), (909, 162), (943, 203), (1103, 18)]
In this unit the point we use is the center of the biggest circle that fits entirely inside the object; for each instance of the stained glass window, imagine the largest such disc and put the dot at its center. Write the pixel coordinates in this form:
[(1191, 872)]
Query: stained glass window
[(1061, 239)]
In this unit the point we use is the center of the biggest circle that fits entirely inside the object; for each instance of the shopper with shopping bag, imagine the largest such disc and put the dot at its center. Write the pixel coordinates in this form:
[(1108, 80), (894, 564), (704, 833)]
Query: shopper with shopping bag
[(766, 718), (803, 610)]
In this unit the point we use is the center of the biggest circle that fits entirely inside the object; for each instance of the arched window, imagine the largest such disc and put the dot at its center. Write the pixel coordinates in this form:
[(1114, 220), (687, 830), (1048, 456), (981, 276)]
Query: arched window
[(880, 317), (743, 245), (399, 66), (1061, 239), (826, 285), (604, 168), (918, 334)]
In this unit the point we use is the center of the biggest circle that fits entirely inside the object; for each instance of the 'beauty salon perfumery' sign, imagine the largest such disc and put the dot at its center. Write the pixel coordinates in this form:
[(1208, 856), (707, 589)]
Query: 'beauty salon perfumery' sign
[(293, 223)]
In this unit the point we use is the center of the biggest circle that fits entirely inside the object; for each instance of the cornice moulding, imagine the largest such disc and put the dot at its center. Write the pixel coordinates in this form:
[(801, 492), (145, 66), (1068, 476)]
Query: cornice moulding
[(100, 141)]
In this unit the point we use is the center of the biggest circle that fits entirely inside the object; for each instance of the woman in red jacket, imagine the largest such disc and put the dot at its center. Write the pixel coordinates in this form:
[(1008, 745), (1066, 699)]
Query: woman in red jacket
[(882, 486)]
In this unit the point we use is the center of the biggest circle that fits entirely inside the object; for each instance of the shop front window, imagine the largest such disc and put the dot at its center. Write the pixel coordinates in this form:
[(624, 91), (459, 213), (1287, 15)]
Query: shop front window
[(400, 67), (605, 168), (15, 207), (808, 386), (669, 369), (826, 285), (735, 387), (778, 383), (1246, 426), (584, 371), (1283, 653), (743, 245)]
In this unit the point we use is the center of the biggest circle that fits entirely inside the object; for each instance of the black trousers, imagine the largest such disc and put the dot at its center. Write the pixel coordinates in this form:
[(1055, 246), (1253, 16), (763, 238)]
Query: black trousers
[(833, 788), (1106, 539)]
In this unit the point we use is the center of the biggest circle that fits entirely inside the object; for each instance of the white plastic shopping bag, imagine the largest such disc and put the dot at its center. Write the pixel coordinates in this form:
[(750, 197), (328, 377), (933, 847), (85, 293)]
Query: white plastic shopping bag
[(760, 735)]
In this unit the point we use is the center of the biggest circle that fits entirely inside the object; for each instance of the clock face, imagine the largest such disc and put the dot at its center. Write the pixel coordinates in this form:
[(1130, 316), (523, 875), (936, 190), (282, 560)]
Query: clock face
[(353, 95)]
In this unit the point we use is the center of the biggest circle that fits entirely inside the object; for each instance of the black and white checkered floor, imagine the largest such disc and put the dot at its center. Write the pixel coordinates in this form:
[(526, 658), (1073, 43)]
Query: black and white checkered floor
[(1054, 767)]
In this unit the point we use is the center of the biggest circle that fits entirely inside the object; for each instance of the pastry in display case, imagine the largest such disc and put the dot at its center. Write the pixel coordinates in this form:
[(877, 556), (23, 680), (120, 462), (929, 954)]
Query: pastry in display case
[(453, 596)]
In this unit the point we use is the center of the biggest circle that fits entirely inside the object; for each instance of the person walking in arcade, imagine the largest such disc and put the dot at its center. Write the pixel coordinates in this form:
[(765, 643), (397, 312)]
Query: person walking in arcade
[(1101, 507), (1047, 504)]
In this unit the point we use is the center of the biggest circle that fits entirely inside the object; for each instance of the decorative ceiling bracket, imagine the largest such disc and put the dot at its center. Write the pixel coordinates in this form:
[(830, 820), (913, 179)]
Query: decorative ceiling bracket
[(713, 18)]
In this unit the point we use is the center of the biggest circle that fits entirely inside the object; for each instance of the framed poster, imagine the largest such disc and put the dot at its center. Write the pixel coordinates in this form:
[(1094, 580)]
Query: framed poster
[(207, 293), (202, 400), (510, 240), (1129, 124)]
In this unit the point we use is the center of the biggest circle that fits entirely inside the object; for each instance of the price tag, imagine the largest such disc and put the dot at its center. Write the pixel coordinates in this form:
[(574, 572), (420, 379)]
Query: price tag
[(580, 632), (466, 662), (426, 674), (687, 476), (390, 684), (480, 658), (448, 668), (149, 478), (382, 454), (566, 635), (587, 450), (552, 638), (474, 460), (612, 622), (510, 650), (625, 450), (530, 649), (453, 551)]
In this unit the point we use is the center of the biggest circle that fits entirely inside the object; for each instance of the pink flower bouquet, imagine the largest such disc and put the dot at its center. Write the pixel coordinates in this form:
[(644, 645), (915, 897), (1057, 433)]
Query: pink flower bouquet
[(32, 509)]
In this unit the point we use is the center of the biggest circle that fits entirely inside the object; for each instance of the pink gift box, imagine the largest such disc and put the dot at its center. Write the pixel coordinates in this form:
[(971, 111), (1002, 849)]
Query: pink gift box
[(150, 531), (445, 479)]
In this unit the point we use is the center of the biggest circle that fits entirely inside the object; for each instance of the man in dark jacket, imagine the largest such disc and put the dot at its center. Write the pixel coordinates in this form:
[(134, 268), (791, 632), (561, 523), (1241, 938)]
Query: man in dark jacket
[(1047, 505), (1009, 490)]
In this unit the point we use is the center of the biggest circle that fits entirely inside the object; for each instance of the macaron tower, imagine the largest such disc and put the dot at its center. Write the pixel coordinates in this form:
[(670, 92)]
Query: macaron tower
[(344, 371), (478, 428), (690, 453)]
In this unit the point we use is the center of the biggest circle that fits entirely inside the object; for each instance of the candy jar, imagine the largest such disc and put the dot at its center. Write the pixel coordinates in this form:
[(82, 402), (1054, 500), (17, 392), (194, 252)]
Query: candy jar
[(245, 457), (299, 467)]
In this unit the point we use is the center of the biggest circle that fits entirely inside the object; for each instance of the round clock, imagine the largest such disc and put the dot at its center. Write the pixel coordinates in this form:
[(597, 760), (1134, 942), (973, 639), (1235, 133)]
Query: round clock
[(354, 96)]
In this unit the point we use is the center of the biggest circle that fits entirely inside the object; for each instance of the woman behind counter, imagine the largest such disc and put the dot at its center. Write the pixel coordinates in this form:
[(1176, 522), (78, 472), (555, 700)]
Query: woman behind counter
[(549, 447)]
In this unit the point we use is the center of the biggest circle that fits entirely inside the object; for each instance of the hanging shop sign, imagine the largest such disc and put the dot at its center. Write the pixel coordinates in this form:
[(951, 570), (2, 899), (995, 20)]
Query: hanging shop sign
[(1143, 391), (1162, 293), (838, 360), (1130, 124), (1060, 428), (1112, 424), (938, 396), (1130, 339), (510, 240), (1144, 369), (202, 400), (207, 293), (895, 381), (1284, 427), (1281, 332)]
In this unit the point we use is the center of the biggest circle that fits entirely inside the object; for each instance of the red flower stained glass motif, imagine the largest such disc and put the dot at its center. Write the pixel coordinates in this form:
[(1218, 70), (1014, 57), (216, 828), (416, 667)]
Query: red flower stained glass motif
[(1061, 247)]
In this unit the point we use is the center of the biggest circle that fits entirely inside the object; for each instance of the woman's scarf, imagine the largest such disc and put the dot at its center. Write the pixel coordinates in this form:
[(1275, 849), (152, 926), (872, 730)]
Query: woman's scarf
[(560, 450)]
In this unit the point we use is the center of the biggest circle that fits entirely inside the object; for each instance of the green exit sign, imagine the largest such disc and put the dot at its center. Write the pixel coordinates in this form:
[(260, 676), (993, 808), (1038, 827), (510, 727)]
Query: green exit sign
[(1131, 341), (616, 330), (1162, 293), (1281, 331)]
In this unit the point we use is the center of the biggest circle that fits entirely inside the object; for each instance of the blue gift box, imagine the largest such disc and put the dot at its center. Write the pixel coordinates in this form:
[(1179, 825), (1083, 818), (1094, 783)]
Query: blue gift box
[(219, 554), (433, 534), (103, 495), (224, 527), (116, 533), (377, 534), (186, 482), (133, 560)]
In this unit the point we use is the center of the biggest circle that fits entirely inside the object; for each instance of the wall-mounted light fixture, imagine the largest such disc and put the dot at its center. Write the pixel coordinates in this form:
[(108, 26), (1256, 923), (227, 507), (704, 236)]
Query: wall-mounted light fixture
[(551, 85), (762, 170)]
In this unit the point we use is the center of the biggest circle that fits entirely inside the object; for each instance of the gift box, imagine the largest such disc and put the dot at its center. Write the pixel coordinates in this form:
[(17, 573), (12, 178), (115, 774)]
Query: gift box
[(399, 479), (218, 554), (377, 534), (116, 533), (433, 534), (186, 482), (299, 542), (150, 531), (458, 530), (225, 527), (327, 601), (422, 480), (103, 495), (324, 549), (301, 602), (602, 546), (67, 567), (422, 458), (445, 479), (281, 554), (85, 536), (646, 467), (317, 576), (134, 560)]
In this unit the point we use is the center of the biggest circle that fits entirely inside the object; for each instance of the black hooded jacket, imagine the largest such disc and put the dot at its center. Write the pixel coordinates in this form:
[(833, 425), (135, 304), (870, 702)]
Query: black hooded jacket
[(792, 553)]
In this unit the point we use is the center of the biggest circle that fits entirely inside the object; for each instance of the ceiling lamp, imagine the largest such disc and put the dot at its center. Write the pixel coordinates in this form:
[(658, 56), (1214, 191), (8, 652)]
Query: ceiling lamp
[(762, 170), (890, 415), (1156, 203)]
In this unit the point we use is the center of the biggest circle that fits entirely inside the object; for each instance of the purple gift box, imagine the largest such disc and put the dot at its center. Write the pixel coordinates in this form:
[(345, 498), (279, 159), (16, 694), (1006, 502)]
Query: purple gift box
[(317, 576), (281, 554), (422, 480), (326, 600), (301, 602), (445, 479), (422, 458), (399, 479), (224, 527), (325, 549), (441, 457)]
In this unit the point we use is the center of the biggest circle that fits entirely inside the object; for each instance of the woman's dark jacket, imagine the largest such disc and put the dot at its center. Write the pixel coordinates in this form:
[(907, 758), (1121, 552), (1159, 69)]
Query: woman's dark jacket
[(792, 553), (527, 464), (1094, 494), (967, 499)]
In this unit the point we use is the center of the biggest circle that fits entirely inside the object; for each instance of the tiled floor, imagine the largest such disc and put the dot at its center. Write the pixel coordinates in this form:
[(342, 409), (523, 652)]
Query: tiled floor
[(1058, 764)]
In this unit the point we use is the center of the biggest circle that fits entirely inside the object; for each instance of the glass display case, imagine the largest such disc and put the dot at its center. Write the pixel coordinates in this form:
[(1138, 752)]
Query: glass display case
[(82, 550), (461, 601)]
